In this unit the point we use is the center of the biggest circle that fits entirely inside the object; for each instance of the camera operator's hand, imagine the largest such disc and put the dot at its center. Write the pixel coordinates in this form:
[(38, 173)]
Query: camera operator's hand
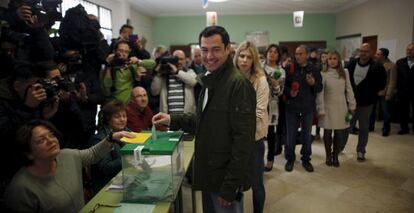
[(157, 69), (35, 95), (34, 22), (110, 58), (24, 13), (141, 72), (50, 109), (134, 60), (82, 93), (138, 44), (64, 96), (174, 69)]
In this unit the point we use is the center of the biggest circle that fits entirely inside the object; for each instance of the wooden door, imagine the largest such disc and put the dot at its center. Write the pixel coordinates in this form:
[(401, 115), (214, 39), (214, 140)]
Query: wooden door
[(373, 41)]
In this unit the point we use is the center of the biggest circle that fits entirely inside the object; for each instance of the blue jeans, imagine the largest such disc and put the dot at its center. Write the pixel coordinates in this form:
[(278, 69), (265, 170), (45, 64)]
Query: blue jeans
[(259, 194), (293, 120), (211, 204)]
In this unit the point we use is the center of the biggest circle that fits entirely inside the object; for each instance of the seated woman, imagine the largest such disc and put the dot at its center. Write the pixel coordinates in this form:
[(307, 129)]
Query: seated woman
[(114, 120), (51, 179)]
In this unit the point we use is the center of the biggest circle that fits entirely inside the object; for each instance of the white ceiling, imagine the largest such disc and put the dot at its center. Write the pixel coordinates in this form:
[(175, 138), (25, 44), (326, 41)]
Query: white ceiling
[(239, 7)]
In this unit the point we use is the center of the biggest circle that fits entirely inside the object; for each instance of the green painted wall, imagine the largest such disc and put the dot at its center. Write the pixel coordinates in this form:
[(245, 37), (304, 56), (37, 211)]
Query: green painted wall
[(184, 30)]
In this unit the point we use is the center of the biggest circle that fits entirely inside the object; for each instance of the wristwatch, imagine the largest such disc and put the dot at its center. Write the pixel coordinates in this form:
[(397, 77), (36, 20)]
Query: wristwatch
[(110, 138)]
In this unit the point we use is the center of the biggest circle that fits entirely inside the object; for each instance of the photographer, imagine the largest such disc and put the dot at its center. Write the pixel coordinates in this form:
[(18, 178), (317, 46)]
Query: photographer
[(135, 42), (79, 94), (28, 25), (174, 84), (22, 98), (122, 74)]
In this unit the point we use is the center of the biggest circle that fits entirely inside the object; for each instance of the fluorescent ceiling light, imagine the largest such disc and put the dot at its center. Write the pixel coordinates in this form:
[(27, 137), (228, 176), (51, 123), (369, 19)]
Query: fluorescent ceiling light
[(217, 0)]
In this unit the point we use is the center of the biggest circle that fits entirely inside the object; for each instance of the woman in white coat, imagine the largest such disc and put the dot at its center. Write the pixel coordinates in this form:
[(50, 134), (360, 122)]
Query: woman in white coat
[(334, 103)]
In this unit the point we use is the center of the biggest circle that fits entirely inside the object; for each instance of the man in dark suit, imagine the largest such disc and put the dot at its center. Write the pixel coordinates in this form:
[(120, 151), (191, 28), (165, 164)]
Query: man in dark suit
[(405, 88)]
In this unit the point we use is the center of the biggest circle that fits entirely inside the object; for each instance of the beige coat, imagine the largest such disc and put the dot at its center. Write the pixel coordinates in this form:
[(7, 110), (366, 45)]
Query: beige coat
[(391, 70), (335, 100), (262, 97)]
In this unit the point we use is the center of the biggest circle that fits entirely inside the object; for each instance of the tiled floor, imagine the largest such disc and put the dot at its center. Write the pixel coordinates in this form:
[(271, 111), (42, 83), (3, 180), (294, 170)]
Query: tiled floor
[(384, 183)]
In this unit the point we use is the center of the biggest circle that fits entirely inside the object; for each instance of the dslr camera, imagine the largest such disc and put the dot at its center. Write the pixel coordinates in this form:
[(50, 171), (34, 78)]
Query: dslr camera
[(163, 61), (54, 85), (47, 11), (119, 62)]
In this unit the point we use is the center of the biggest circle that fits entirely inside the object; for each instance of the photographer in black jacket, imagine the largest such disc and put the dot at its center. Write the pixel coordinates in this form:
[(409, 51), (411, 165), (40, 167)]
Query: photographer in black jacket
[(22, 98)]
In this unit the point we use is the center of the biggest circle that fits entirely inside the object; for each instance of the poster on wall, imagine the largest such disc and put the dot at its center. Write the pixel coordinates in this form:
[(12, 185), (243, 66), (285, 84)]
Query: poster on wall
[(258, 38), (211, 18), (347, 45), (298, 18)]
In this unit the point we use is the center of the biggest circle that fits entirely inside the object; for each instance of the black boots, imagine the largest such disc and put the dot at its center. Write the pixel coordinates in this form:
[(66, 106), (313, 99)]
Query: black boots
[(331, 154), (336, 148), (328, 149)]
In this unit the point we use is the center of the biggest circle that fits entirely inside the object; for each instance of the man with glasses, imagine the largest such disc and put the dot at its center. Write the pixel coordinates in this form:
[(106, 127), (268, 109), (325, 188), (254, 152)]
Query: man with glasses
[(121, 74), (175, 86)]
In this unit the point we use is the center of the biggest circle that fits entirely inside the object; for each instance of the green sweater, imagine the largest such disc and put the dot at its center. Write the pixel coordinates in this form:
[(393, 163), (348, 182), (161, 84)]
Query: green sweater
[(124, 82), (62, 192)]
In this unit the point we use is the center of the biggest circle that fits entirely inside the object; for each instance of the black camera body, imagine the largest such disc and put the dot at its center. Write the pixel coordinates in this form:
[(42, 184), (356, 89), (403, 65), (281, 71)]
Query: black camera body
[(45, 10), (119, 62), (54, 85), (163, 61)]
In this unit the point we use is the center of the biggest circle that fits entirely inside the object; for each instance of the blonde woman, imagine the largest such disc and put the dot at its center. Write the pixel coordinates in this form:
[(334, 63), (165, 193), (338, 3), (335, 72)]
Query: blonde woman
[(247, 61), (334, 102)]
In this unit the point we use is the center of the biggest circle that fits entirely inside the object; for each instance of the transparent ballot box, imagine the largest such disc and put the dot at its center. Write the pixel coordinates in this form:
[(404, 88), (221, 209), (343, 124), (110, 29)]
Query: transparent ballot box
[(153, 171)]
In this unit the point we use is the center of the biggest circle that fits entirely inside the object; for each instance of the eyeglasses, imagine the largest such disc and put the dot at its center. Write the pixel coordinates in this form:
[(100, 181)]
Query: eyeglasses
[(98, 205)]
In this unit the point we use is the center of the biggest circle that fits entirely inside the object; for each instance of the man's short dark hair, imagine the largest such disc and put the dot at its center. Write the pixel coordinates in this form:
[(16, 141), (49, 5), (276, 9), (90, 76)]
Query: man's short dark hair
[(44, 67), (24, 71), (385, 52), (119, 43), (213, 30), (125, 26)]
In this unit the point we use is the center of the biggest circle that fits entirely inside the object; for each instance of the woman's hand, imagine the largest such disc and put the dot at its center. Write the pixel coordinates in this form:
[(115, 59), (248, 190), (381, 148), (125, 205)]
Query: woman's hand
[(121, 134)]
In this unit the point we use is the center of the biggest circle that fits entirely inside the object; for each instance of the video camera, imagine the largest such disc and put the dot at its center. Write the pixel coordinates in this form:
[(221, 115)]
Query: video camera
[(47, 11), (54, 85), (163, 61)]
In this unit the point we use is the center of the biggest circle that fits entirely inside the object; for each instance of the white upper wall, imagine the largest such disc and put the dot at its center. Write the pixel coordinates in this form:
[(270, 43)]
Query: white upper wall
[(121, 11), (143, 26), (391, 20)]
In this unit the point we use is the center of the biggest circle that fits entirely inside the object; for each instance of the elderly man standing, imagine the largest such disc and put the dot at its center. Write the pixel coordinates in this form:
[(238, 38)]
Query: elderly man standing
[(303, 82), (405, 88), (224, 125), (367, 78)]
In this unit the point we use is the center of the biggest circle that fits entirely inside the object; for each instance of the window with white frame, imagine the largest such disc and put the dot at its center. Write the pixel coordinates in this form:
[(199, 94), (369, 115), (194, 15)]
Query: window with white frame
[(104, 15)]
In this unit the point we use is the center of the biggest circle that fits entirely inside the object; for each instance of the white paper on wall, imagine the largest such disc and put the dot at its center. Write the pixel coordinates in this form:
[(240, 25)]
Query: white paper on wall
[(211, 18), (298, 18)]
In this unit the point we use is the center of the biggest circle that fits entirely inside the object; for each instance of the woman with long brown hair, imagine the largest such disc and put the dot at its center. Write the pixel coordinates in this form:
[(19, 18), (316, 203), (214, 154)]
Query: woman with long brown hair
[(334, 103)]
